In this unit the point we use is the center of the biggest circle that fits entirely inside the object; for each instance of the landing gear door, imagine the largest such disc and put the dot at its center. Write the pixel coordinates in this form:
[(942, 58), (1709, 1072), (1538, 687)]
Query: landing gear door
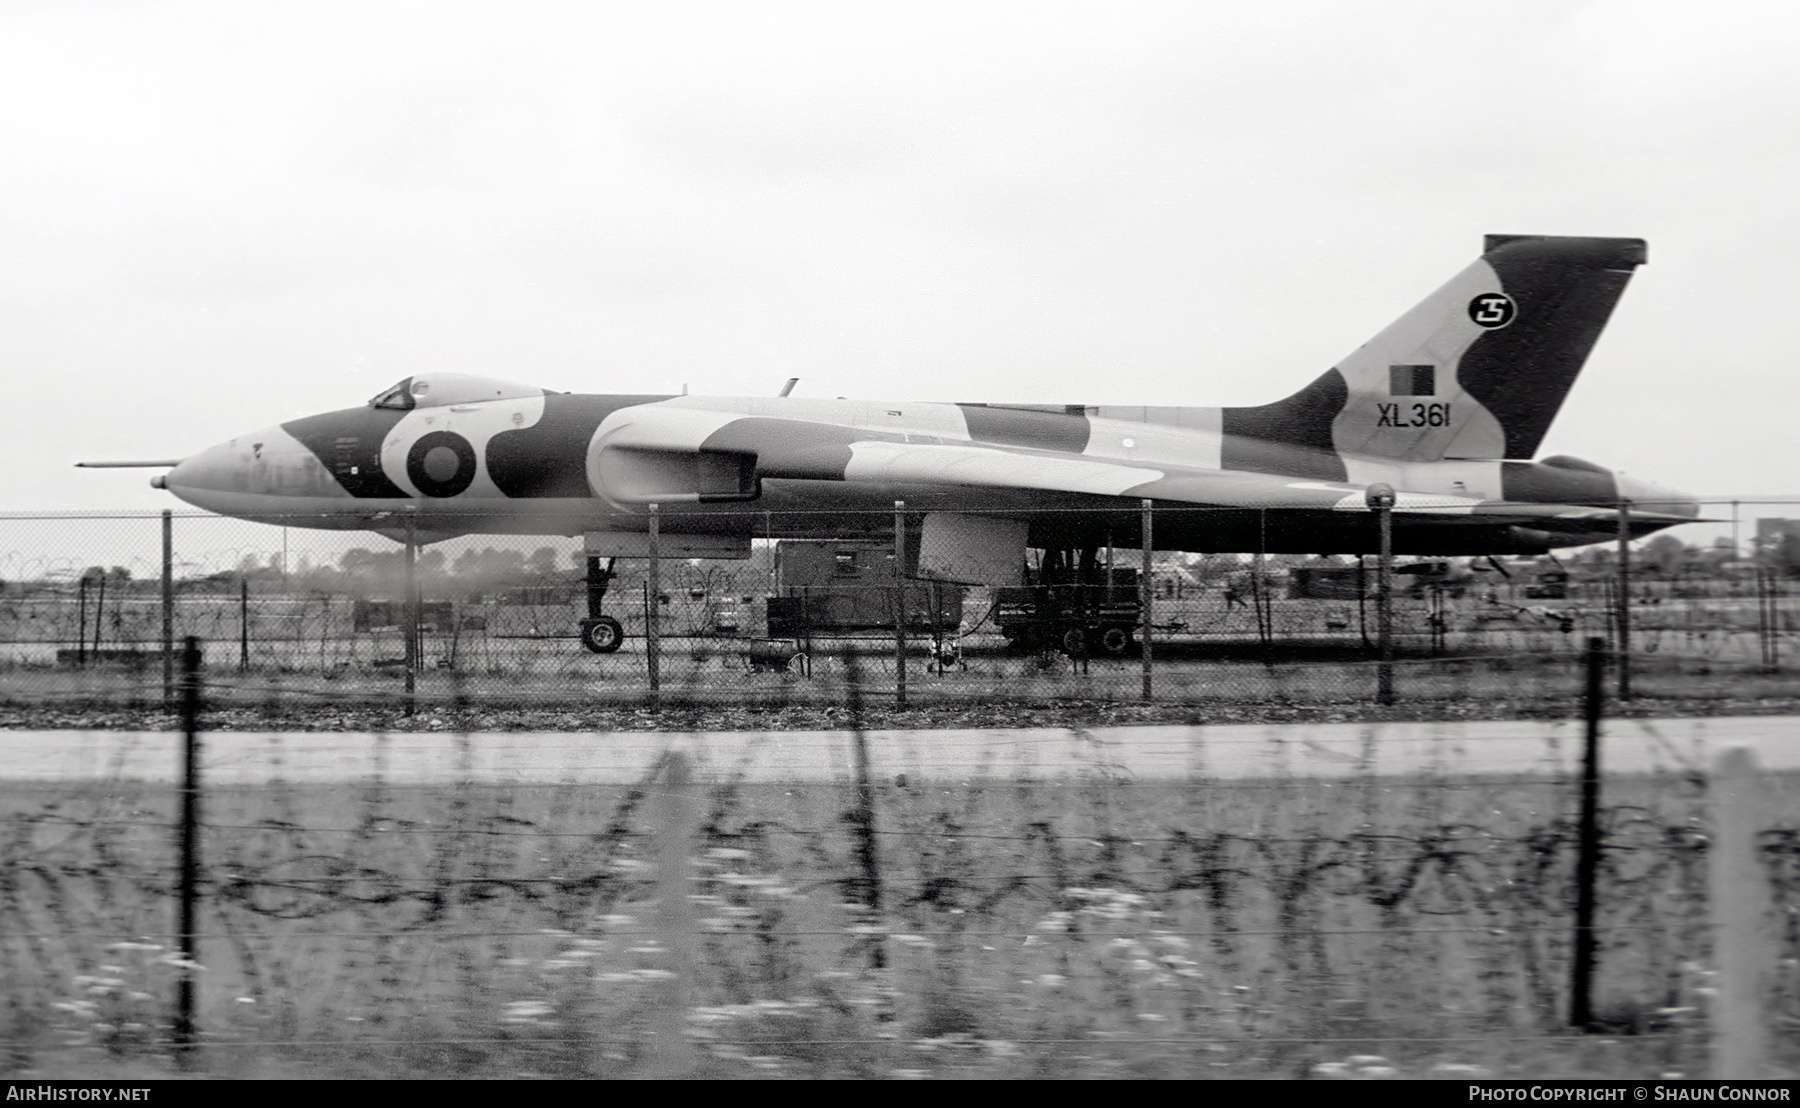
[(971, 549)]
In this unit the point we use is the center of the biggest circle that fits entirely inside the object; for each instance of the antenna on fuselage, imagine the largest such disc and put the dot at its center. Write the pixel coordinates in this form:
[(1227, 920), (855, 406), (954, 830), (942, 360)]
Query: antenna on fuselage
[(789, 387)]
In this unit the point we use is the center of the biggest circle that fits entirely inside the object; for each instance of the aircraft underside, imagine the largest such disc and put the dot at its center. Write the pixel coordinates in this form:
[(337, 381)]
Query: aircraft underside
[(820, 510)]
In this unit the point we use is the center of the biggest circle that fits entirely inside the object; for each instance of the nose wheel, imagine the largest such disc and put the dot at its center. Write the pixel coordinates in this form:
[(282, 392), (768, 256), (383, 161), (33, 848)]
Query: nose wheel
[(601, 634)]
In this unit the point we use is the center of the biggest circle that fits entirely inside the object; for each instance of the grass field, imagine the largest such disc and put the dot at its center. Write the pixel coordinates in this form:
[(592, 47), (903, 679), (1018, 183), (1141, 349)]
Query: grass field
[(1096, 927)]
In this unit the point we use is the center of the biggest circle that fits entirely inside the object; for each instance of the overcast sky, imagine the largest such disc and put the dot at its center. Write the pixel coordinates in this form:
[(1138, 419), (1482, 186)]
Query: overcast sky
[(219, 216)]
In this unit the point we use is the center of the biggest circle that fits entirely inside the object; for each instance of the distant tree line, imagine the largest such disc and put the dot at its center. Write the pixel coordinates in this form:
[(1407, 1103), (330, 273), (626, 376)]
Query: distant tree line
[(362, 571)]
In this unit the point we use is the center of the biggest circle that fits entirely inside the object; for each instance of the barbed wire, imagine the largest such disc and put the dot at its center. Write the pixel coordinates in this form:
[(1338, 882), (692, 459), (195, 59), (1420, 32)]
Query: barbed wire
[(1445, 839), (886, 932), (1100, 1039)]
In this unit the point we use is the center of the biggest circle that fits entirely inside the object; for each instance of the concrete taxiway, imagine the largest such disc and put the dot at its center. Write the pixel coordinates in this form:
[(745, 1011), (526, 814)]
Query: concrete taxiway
[(1168, 753)]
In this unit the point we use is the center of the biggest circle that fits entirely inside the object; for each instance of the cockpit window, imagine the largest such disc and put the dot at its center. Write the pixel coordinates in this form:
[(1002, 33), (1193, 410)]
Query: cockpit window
[(399, 398), (449, 390), (442, 390)]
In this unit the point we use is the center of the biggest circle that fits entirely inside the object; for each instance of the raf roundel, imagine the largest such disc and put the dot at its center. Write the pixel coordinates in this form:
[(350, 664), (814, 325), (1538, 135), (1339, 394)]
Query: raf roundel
[(1492, 310), (441, 463)]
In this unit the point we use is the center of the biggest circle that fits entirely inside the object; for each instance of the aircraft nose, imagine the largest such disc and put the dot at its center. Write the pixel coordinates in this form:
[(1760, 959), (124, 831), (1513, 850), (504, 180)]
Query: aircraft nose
[(220, 468), (268, 469)]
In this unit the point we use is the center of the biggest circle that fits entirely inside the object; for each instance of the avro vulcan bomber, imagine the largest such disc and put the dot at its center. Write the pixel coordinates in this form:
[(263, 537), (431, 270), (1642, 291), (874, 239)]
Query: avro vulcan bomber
[(1446, 406)]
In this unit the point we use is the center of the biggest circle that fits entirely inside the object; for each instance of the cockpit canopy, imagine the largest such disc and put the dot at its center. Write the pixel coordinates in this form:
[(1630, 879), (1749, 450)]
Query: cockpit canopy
[(440, 390)]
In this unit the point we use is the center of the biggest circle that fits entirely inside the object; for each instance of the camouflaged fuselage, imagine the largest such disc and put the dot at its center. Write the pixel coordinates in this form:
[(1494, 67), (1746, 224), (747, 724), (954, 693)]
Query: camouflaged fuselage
[(1446, 406)]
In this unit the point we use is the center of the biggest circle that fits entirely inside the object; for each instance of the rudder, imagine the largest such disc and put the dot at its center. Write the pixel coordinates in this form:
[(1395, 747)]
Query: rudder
[(1477, 370)]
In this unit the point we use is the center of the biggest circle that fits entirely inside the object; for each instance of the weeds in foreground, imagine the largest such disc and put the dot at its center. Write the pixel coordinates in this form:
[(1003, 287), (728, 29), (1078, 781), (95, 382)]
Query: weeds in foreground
[(1097, 926)]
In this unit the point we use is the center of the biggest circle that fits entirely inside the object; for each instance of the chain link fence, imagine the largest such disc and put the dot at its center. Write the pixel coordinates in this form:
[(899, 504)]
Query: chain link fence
[(88, 614)]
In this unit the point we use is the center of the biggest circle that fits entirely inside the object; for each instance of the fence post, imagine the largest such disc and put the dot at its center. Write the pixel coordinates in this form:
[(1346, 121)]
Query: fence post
[(672, 1053), (1148, 588), (1259, 593), (243, 624), (1587, 856), (190, 849), (652, 624), (866, 851), (1380, 499), (1737, 900), (1624, 610), (900, 603), (410, 621), (168, 608)]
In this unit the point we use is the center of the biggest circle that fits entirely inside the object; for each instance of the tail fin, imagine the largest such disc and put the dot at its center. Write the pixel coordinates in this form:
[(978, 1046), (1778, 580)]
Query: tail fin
[(1477, 370)]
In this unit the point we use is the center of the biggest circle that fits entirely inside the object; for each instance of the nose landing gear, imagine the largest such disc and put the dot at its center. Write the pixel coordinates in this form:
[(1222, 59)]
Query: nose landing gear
[(600, 633)]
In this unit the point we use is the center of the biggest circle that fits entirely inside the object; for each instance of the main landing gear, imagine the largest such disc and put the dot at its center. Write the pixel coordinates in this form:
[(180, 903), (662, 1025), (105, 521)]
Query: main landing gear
[(601, 634)]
